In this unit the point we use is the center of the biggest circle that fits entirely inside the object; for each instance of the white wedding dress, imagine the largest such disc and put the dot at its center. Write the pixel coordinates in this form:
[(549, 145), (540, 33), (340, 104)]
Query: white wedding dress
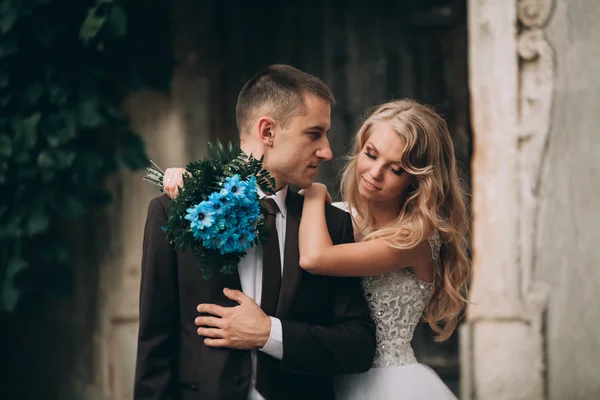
[(397, 300)]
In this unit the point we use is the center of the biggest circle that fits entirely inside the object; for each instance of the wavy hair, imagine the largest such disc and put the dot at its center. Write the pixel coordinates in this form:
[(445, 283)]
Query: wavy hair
[(435, 202)]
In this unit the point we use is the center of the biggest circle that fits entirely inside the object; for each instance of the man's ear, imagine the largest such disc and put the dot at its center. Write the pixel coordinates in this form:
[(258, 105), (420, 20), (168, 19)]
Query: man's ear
[(266, 131)]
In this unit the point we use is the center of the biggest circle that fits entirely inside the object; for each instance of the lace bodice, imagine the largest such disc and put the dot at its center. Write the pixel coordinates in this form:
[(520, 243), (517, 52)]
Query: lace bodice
[(397, 300)]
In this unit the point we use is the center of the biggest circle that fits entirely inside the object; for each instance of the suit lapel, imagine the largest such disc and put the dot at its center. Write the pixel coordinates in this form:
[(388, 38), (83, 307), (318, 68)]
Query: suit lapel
[(292, 273)]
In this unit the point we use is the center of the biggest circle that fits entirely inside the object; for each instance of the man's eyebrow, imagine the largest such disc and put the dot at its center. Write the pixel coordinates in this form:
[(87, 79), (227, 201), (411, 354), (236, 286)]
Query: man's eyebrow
[(316, 128)]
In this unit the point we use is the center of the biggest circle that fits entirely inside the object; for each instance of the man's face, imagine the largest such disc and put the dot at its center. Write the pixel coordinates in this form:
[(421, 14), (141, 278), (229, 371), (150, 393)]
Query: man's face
[(299, 148)]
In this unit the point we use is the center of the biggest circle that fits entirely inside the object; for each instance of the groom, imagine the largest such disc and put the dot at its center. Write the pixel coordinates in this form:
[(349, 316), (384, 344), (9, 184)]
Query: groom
[(271, 331)]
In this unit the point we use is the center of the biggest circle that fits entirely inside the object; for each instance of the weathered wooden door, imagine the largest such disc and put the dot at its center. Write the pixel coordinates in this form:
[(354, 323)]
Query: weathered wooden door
[(368, 53)]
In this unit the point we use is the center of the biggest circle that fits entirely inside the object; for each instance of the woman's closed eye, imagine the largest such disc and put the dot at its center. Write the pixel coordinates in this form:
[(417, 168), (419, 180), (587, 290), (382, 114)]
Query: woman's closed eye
[(395, 170), (398, 172)]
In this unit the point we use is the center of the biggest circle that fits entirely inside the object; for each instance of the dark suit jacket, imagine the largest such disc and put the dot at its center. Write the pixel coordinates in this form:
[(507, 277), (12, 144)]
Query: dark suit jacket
[(327, 327)]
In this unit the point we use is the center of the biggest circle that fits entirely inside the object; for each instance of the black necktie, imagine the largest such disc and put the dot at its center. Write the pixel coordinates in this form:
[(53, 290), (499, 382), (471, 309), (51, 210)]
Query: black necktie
[(271, 284)]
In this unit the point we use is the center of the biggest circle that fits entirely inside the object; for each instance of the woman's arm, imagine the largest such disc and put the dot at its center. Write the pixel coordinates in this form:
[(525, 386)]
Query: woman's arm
[(319, 256)]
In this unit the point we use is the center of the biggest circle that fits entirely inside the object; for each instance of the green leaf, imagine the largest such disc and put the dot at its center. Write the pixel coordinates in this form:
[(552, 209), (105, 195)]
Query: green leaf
[(26, 129), (45, 159), (58, 95), (57, 252), (8, 18), (33, 93), (117, 21), (38, 222), (10, 294), (60, 128), (12, 228), (64, 158), (73, 207), (4, 78), (5, 146), (89, 113), (91, 26)]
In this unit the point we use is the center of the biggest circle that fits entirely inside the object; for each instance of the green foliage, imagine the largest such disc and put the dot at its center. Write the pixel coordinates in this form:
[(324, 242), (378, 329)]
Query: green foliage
[(205, 177), (65, 68)]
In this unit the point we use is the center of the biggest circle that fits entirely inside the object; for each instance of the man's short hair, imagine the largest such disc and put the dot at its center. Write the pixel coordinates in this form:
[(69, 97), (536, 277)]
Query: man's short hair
[(277, 91)]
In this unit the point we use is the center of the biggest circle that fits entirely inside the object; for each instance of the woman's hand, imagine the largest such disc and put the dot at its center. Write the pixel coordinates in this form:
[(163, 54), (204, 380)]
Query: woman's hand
[(172, 181), (317, 191)]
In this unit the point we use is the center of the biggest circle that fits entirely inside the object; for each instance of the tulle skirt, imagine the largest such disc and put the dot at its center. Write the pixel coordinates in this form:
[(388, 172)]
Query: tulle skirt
[(404, 382)]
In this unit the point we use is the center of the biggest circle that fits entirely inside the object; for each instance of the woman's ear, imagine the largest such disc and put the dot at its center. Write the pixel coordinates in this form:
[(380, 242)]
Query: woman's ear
[(266, 131)]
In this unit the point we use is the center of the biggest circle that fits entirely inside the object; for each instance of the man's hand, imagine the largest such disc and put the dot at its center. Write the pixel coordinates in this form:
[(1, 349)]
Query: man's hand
[(241, 327), (173, 180)]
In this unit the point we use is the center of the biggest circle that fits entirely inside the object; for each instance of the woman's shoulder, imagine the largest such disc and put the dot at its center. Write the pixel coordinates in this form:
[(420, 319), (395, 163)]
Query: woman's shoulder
[(342, 205)]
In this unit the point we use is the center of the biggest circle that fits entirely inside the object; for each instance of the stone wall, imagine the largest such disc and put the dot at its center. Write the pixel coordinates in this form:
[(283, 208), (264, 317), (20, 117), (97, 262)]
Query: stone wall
[(533, 327), (566, 249)]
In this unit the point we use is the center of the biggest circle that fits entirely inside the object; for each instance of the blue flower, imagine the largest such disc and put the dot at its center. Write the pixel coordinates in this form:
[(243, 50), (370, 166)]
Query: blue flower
[(200, 216), (227, 199), (215, 201), (231, 243), (234, 186), (246, 239), (228, 219)]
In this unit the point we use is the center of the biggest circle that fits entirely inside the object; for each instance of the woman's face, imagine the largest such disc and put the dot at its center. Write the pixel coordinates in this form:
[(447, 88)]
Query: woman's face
[(379, 174)]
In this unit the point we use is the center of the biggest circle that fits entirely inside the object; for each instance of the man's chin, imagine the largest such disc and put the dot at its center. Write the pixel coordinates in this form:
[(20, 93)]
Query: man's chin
[(304, 184)]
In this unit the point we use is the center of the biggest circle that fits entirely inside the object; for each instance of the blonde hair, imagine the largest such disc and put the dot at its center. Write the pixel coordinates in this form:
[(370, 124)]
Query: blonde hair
[(435, 202)]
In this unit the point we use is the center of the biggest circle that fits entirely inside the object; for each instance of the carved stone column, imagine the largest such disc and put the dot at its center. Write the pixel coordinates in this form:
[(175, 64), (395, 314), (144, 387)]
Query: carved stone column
[(511, 83)]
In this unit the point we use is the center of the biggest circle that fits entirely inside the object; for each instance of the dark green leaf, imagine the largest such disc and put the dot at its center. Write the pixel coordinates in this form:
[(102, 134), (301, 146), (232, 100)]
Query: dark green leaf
[(4, 78), (89, 113), (91, 26), (73, 207), (60, 128), (26, 129), (32, 94), (64, 158), (58, 95), (5, 146), (47, 175), (38, 222), (117, 20), (8, 17), (45, 159), (12, 228), (10, 294), (56, 253)]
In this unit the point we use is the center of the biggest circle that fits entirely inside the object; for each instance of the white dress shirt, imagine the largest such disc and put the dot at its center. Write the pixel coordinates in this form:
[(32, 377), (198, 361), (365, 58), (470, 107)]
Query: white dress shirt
[(250, 270)]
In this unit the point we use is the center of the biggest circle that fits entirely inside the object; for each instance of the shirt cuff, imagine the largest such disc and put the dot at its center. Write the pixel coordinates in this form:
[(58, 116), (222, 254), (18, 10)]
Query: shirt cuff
[(274, 345)]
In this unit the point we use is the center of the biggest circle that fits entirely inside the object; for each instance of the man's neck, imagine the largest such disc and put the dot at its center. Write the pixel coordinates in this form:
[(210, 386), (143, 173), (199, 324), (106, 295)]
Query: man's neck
[(250, 149)]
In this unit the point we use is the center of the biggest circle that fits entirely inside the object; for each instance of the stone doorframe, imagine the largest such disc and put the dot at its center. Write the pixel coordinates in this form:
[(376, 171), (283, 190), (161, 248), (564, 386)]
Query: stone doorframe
[(511, 81)]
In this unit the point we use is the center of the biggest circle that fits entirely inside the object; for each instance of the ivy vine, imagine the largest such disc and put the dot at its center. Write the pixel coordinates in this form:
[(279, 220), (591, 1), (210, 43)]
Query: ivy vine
[(65, 68)]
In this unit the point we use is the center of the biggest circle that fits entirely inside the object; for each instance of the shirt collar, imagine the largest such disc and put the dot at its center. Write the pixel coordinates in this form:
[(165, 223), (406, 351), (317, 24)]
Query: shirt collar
[(278, 197)]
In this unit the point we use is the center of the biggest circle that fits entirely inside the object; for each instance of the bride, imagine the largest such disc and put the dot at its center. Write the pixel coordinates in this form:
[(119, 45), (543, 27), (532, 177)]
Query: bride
[(410, 221), (411, 225)]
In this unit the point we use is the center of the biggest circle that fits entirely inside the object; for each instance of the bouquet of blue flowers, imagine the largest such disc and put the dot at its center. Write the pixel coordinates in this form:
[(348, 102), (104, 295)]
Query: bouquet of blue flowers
[(218, 214)]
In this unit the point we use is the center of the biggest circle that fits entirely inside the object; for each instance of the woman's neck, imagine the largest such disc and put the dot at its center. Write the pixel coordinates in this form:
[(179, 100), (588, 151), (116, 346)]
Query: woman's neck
[(384, 213)]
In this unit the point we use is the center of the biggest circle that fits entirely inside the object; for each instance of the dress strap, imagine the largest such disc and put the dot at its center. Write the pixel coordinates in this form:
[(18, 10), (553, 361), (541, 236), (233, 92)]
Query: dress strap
[(435, 242)]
